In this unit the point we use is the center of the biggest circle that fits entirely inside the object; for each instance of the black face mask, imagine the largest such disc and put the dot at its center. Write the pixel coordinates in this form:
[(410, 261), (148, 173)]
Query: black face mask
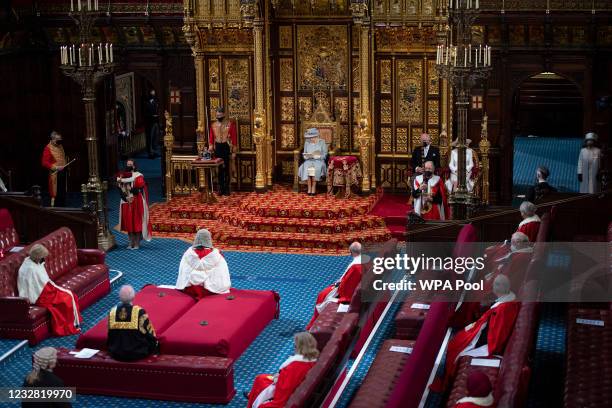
[(428, 174), (42, 261), (129, 168), (220, 119), (425, 144), (58, 142)]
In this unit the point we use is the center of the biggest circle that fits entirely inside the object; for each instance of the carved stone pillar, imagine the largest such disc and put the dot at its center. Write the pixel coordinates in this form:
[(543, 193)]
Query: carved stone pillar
[(259, 137)]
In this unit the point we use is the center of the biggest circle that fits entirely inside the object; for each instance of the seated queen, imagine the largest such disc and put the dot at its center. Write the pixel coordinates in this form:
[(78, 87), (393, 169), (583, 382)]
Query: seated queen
[(315, 155)]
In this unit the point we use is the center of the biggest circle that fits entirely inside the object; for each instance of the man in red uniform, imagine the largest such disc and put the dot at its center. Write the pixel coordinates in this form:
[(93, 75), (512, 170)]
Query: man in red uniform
[(134, 207), (342, 290), (429, 195), (223, 140), (485, 337), (531, 222), (33, 283), (54, 160), (479, 391), (273, 391)]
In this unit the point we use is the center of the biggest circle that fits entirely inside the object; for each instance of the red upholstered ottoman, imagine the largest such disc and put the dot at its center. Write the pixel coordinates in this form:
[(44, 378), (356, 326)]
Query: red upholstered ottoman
[(382, 376), (165, 377), (464, 369), (221, 325), (409, 319), (164, 307)]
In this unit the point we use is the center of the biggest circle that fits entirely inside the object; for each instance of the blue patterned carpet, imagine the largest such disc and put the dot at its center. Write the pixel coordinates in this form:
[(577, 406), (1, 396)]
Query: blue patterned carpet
[(297, 278), (560, 155)]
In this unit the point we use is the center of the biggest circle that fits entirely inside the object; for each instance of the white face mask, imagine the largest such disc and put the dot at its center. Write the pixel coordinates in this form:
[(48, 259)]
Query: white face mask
[(513, 248)]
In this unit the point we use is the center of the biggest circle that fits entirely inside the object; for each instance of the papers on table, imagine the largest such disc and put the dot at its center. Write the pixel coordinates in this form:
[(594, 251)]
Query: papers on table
[(401, 349), (314, 155), (590, 322), (16, 249), (422, 306), (85, 353), (342, 308), (486, 362)]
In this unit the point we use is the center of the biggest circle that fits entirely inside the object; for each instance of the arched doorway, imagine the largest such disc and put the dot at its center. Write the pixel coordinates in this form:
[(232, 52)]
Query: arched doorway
[(547, 126)]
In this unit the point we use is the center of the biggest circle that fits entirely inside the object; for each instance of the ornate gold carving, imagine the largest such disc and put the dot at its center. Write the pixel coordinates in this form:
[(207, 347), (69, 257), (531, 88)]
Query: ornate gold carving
[(286, 104), (305, 106), (237, 88), (434, 133), (385, 76), (401, 181), (396, 39), (409, 78), (433, 80), (215, 102), (345, 143), (285, 37), (401, 140), (433, 112), (213, 75), (386, 175), (356, 103), (246, 171), (287, 137), (484, 147), (356, 74), (322, 55), (341, 109), (286, 74), (385, 140), (385, 111), (416, 133), (229, 39), (168, 144), (246, 140), (287, 168)]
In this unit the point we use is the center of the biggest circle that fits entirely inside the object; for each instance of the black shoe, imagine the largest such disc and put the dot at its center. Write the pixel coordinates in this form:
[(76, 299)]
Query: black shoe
[(245, 394)]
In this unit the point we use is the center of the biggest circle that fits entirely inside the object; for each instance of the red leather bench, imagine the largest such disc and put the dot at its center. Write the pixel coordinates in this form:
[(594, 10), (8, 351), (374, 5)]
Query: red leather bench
[(8, 235), (161, 377), (382, 375), (409, 318), (464, 369), (588, 359), (185, 327), (81, 270)]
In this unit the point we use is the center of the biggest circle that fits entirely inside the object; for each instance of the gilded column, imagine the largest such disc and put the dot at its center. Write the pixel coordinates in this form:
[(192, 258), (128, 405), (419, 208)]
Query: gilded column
[(446, 133), (201, 101), (168, 144), (259, 137)]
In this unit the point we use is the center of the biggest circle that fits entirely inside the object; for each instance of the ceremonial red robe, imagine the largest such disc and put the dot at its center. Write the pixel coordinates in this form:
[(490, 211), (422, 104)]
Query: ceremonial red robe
[(500, 319), (198, 291), (530, 227), (290, 376), (436, 187), (134, 216), (341, 291), (52, 157), (475, 402), (232, 133), (513, 265)]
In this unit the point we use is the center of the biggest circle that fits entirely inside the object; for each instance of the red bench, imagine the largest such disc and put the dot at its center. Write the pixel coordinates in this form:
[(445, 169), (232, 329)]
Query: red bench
[(8, 235), (160, 377), (83, 271), (464, 369)]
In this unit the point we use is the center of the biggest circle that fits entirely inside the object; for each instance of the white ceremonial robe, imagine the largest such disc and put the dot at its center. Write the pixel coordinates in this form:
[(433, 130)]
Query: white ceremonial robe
[(211, 272), (453, 165), (589, 162)]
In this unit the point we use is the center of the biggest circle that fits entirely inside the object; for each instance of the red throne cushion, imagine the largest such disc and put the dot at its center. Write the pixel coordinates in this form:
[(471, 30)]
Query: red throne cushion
[(165, 377), (164, 307), (221, 325)]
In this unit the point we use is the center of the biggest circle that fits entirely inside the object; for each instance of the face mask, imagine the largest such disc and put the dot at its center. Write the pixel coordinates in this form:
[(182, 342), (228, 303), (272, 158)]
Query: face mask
[(513, 248), (58, 142), (129, 168), (428, 173), (220, 119), (42, 261), (425, 144)]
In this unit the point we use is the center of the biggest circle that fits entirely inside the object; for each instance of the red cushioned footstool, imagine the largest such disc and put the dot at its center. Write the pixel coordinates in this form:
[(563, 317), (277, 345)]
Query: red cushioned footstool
[(164, 307), (382, 376), (221, 325), (163, 377), (409, 319), (464, 369)]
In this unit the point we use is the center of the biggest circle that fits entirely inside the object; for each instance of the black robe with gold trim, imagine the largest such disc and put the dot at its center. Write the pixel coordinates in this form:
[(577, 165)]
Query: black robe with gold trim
[(130, 333)]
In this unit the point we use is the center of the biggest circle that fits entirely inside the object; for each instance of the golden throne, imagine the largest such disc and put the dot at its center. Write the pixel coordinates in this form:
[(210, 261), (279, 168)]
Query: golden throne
[(329, 130)]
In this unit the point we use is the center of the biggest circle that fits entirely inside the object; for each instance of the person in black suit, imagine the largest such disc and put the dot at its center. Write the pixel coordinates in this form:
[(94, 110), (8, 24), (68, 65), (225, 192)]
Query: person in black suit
[(424, 153), (541, 187)]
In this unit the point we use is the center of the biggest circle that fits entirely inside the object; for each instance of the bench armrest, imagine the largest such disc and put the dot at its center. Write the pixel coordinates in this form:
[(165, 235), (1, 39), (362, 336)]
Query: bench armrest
[(14, 309), (90, 256)]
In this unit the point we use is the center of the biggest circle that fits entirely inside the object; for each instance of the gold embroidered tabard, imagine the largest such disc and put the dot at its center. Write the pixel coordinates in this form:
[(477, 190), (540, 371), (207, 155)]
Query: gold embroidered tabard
[(58, 154), (119, 324), (221, 131)]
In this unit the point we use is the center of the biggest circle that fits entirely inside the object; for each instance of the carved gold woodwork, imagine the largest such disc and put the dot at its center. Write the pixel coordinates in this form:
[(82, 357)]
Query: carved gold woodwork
[(287, 136), (168, 144), (341, 109), (286, 105), (322, 56), (416, 132), (409, 90), (345, 143), (213, 75), (401, 176), (433, 81), (386, 175), (385, 76), (484, 145), (445, 146), (356, 74), (287, 168), (386, 142), (433, 112), (385, 111), (246, 140), (356, 109), (214, 13), (406, 39), (401, 140), (285, 37), (237, 88), (286, 74), (305, 106), (229, 39), (434, 133), (214, 103)]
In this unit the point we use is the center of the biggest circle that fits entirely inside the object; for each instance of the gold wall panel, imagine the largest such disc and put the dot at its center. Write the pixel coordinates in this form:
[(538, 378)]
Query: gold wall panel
[(247, 171), (345, 143), (416, 135), (246, 141), (433, 112), (385, 76), (287, 168), (237, 88), (396, 39), (386, 142), (401, 140), (401, 173), (322, 55), (287, 137), (356, 77), (285, 37), (213, 75), (356, 104), (215, 102), (341, 109), (386, 175), (428, 7), (385, 111), (409, 78), (287, 108), (286, 74), (305, 106), (433, 80), (355, 136), (434, 133), (229, 39)]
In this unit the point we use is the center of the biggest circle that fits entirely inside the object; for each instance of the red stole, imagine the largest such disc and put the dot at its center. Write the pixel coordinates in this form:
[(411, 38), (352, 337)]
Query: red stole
[(289, 378), (437, 212), (60, 307), (135, 215), (530, 227)]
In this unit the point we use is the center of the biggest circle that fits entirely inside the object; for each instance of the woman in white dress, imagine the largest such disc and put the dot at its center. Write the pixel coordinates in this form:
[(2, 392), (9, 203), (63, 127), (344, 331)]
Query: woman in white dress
[(589, 162), (315, 154)]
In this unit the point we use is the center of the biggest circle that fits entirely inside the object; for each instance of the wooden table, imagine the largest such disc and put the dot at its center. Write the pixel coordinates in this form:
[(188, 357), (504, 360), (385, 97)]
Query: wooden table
[(343, 171), (205, 170)]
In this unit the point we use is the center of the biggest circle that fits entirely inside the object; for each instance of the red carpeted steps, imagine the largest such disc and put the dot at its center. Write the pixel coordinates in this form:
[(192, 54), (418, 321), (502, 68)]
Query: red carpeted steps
[(279, 220), (394, 209)]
